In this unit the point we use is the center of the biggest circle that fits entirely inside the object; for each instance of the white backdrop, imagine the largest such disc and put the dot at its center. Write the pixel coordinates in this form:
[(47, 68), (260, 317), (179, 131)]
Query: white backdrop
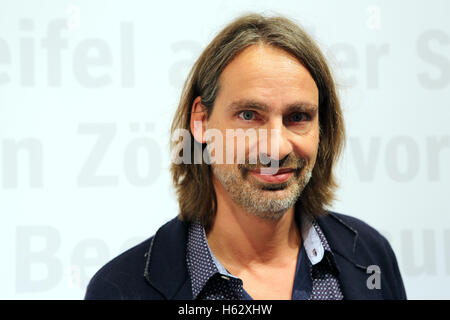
[(88, 90)]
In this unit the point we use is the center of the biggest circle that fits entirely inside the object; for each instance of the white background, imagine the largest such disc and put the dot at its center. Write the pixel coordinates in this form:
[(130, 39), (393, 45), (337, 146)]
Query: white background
[(84, 128)]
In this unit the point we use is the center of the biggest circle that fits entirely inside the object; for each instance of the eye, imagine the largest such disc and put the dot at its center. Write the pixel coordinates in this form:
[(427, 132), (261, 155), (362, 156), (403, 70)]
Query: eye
[(247, 115), (298, 117)]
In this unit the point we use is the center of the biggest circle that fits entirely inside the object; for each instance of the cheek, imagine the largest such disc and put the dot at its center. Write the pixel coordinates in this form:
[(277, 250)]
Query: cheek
[(307, 147), (313, 143)]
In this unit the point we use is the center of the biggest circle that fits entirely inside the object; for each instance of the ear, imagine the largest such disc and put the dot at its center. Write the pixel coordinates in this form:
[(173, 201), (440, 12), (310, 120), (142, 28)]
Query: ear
[(198, 120)]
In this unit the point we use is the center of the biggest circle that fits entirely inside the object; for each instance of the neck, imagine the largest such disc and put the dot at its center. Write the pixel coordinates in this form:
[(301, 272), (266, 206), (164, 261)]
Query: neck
[(244, 240)]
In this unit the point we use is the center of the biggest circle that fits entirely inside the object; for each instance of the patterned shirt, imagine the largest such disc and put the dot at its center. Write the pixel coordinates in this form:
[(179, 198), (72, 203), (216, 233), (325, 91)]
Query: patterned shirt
[(315, 276)]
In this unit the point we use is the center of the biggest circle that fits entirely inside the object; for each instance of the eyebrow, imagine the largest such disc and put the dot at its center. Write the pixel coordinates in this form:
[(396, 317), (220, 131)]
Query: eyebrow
[(299, 106)]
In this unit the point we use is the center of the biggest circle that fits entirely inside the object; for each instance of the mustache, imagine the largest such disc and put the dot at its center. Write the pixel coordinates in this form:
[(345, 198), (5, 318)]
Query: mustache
[(290, 161)]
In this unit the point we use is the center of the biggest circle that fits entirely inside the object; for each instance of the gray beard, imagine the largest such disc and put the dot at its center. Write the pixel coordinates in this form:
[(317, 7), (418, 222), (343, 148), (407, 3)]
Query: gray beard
[(253, 200)]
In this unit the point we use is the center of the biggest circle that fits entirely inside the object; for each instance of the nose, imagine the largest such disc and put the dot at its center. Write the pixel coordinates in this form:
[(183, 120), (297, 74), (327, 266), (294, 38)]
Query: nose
[(278, 143)]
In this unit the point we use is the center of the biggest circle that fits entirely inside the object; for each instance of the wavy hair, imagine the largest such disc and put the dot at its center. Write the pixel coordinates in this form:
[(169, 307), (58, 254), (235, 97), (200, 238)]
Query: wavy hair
[(193, 182)]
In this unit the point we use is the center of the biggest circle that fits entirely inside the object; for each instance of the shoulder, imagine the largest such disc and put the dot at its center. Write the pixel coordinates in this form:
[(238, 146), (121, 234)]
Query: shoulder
[(127, 275), (356, 240), (362, 229), (364, 246), (121, 277), (367, 240)]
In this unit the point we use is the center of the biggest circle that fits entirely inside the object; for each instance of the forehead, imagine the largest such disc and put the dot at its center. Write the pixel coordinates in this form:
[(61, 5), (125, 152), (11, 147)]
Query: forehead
[(269, 74)]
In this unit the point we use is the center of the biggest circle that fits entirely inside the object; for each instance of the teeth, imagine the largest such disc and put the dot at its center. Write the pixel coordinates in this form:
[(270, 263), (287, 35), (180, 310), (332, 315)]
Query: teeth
[(269, 171)]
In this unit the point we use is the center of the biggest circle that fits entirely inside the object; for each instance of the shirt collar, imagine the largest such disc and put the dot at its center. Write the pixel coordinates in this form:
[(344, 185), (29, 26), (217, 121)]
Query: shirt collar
[(313, 239), (315, 243), (202, 264)]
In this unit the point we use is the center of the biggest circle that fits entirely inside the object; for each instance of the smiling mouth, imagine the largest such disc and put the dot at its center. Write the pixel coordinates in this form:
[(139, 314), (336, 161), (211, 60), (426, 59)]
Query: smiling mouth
[(273, 171), (273, 175)]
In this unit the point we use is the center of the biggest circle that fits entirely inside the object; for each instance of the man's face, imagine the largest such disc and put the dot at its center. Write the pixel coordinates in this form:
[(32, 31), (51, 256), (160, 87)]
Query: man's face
[(266, 88)]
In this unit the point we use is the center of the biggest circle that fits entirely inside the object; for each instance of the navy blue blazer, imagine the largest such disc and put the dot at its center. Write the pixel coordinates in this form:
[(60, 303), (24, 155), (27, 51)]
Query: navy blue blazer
[(156, 268)]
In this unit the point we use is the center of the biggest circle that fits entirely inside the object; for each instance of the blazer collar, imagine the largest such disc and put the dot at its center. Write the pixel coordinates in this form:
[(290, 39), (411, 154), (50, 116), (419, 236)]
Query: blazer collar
[(341, 237), (165, 268), (351, 260)]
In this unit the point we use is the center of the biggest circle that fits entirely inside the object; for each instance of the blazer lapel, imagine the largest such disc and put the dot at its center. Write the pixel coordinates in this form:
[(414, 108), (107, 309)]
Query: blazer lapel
[(351, 262), (166, 269)]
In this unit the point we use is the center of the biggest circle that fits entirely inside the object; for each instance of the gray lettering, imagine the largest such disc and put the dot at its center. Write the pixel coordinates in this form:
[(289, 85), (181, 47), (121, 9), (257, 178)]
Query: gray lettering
[(5, 58), (429, 253), (374, 54), (106, 133), (347, 58), (127, 49), (179, 69), (366, 167), (11, 149), (54, 43), (88, 253), (152, 161), (434, 147), (439, 61), (27, 54), (83, 61), (406, 170), (447, 251), (26, 258)]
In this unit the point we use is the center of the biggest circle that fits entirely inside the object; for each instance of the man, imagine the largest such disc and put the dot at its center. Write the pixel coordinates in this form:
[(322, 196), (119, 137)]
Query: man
[(256, 228)]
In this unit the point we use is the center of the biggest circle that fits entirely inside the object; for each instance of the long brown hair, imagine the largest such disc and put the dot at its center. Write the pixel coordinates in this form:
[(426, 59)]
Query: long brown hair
[(193, 182)]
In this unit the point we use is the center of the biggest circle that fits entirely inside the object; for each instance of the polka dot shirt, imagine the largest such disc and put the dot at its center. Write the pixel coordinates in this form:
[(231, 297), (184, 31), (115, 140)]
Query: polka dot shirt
[(315, 278)]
